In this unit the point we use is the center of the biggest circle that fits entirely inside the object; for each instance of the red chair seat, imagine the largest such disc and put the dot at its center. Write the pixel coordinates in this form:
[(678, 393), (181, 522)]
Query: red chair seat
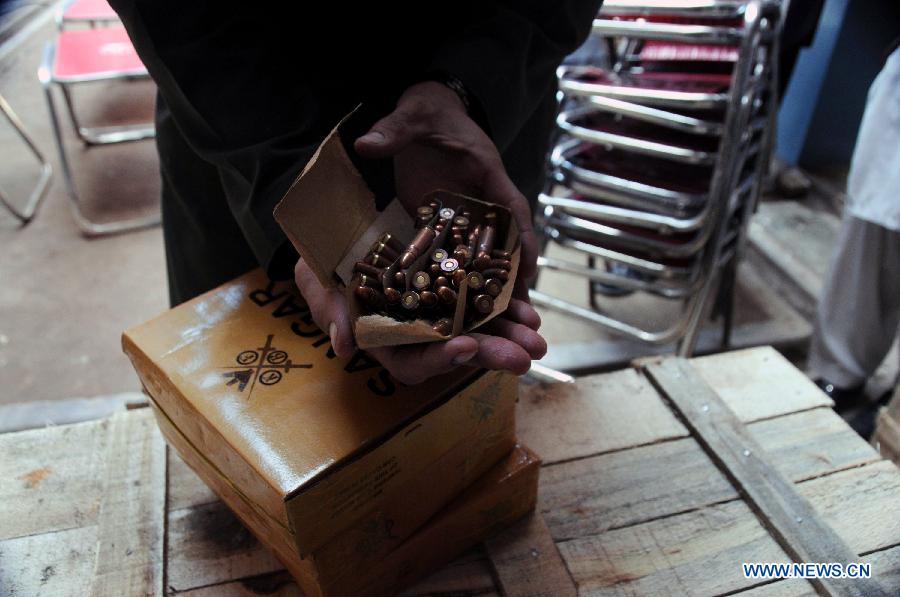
[(89, 10), (94, 54), (660, 51)]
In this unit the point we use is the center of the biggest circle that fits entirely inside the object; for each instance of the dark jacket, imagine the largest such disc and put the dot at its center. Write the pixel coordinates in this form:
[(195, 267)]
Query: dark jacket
[(253, 87)]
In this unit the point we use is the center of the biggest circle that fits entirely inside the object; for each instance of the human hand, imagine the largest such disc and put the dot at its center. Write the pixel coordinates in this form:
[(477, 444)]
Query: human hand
[(436, 145), (507, 342)]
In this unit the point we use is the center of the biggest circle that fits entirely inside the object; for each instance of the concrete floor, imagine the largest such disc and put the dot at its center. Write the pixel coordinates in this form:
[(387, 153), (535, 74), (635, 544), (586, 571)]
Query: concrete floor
[(65, 299)]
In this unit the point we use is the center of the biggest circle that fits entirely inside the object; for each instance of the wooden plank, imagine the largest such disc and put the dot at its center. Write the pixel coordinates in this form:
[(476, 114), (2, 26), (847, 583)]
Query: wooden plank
[(131, 522), (275, 584), (791, 518), (208, 545), (591, 495), (885, 568), (696, 553), (565, 421), (700, 552), (34, 414), (57, 563), (527, 562), (759, 383), (51, 479), (186, 489), (468, 575)]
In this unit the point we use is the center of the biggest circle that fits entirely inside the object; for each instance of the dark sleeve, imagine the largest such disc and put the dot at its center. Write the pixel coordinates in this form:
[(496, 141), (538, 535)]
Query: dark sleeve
[(507, 58), (234, 106)]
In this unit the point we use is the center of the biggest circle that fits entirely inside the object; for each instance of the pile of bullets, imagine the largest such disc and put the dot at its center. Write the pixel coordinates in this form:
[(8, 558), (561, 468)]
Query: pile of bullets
[(422, 280)]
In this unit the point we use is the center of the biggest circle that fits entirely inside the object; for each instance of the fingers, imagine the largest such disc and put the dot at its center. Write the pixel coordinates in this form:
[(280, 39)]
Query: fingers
[(389, 136), (519, 334), (495, 352), (414, 363), (498, 188), (329, 310), (522, 312)]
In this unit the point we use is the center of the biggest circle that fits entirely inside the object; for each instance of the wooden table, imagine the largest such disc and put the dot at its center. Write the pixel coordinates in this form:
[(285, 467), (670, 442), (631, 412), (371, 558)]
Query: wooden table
[(639, 496)]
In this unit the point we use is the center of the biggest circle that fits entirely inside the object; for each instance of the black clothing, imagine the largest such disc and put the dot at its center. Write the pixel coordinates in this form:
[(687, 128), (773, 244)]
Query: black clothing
[(248, 90)]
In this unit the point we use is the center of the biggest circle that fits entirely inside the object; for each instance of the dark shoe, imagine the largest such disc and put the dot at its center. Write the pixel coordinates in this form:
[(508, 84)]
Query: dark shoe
[(792, 183), (844, 398)]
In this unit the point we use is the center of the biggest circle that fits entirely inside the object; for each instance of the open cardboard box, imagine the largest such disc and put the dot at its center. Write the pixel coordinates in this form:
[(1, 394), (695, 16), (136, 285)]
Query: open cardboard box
[(331, 216)]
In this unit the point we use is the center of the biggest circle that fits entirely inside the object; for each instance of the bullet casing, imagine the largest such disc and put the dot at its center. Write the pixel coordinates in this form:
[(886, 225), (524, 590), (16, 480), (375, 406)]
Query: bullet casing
[(483, 303), (493, 286)]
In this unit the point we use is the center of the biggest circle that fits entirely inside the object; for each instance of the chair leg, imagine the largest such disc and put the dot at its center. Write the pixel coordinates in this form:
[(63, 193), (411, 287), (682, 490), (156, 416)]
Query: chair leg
[(39, 191), (88, 227), (103, 135)]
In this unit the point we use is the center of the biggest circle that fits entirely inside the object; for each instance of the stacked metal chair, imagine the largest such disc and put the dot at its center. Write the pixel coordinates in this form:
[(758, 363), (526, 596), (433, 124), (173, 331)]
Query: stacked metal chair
[(659, 155)]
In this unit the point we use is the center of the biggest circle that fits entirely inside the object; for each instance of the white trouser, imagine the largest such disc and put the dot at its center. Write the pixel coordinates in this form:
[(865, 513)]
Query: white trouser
[(859, 311)]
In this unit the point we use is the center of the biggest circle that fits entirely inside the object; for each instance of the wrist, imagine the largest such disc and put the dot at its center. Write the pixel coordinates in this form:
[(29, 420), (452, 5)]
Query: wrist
[(433, 94)]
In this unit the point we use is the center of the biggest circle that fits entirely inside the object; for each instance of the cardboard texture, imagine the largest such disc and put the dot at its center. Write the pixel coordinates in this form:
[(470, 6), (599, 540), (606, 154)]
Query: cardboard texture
[(378, 556), (330, 216), (313, 445)]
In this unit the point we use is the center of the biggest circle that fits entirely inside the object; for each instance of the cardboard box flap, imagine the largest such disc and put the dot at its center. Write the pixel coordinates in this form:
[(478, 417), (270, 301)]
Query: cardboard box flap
[(329, 184)]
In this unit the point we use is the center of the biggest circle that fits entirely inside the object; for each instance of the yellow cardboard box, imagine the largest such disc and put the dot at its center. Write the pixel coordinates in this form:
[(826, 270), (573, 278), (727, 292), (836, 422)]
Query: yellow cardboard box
[(314, 445)]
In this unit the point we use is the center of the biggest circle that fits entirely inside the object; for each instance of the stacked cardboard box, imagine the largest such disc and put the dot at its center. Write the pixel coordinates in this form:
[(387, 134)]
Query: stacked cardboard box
[(358, 484)]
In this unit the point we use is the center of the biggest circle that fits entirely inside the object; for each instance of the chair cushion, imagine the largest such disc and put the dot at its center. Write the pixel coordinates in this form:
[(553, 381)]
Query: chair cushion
[(95, 54)]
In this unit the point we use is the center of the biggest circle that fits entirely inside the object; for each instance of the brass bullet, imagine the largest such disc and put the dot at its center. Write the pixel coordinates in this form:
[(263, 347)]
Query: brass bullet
[(370, 296), (458, 277), (497, 254), (486, 241), (447, 295), (370, 281), (439, 255), (443, 326), (446, 213), (473, 240), (425, 211), (461, 253), (420, 243), (435, 269), (493, 286), (368, 269), (484, 262), (379, 260), (428, 298), (391, 241), (496, 272), (449, 265), (421, 281), (458, 239), (441, 281), (400, 279), (392, 295), (475, 280), (483, 303), (461, 221), (410, 300), (381, 248)]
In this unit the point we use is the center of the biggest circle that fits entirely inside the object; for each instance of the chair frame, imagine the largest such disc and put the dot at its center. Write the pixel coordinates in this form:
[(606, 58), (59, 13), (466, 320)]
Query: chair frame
[(39, 190), (727, 206), (90, 136)]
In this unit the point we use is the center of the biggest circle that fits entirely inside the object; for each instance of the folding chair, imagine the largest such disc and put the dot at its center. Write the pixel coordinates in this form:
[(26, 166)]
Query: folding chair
[(658, 159), (26, 214), (89, 12), (84, 56)]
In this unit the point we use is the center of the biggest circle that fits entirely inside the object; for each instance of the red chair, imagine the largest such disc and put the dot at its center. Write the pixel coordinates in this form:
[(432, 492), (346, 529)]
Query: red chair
[(84, 56), (91, 12)]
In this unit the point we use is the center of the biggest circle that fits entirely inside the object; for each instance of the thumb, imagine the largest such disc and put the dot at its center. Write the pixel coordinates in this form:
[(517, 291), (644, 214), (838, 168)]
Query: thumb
[(387, 137)]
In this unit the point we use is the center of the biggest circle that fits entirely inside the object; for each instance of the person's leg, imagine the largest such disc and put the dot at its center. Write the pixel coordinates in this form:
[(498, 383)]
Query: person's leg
[(859, 310), (204, 246)]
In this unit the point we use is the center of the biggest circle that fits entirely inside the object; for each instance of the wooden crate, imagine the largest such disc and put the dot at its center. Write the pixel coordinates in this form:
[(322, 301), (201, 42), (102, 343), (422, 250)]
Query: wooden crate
[(656, 480)]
